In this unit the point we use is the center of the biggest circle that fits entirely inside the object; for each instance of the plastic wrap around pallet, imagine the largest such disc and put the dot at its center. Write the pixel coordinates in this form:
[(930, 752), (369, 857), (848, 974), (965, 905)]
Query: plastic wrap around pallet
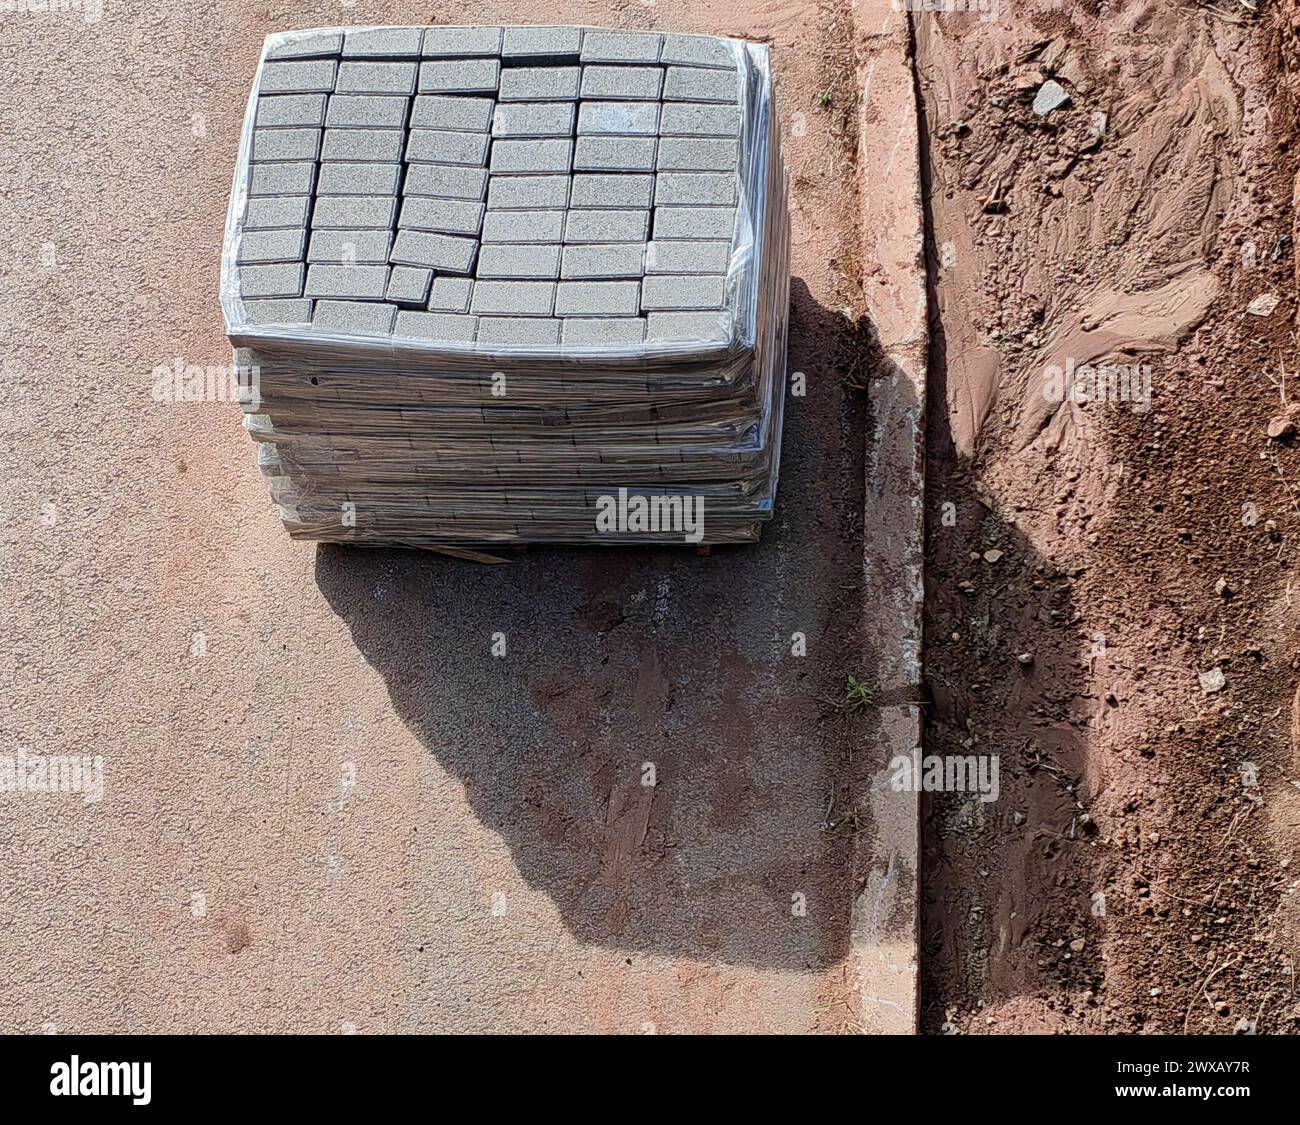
[(392, 439)]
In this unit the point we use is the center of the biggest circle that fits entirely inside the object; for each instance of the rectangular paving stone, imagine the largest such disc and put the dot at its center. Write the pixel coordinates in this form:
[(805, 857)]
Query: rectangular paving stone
[(696, 84), (408, 285), (435, 326), (363, 145), (523, 226), (634, 83), (446, 181), (300, 45), (359, 282), (285, 245), (533, 119), (671, 292), (696, 119), (356, 318), (598, 298), (455, 42), (533, 156), (291, 310), (435, 146), (445, 252), (694, 222), (315, 76), (621, 46), (698, 50), (687, 256), (282, 110), (615, 154), (541, 42), (540, 83), (282, 280), (266, 212), (358, 179), (285, 144), (687, 327), (503, 260), (602, 331), (376, 78), (354, 212), (450, 294), (698, 154), (282, 179), (528, 193), (619, 118), (513, 298), (350, 247), (613, 190), (695, 189), (607, 226), (460, 76), (367, 111), (452, 111), (451, 216), (603, 260), (383, 42), (509, 331)]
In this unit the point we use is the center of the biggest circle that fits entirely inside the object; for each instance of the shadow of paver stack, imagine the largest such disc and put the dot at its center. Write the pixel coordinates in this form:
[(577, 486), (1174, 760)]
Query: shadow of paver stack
[(489, 285)]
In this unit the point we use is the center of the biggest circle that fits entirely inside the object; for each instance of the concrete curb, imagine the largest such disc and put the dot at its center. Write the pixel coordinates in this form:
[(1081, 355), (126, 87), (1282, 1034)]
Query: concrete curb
[(885, 914)]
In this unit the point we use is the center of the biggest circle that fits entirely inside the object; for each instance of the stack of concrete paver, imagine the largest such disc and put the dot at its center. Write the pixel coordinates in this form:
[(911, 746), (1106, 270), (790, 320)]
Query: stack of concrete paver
[(487, 278)]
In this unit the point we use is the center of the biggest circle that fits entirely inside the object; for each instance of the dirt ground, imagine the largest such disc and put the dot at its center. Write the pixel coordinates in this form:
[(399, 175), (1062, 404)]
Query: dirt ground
[(1093, 568)]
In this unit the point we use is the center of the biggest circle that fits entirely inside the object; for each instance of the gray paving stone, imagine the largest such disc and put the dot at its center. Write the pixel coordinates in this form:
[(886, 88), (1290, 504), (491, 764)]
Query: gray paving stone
[(270, 145), (451, 111), (376, 78), (619, 119), (277, 311), (694, 222), (355, 318), (435, 326), (627, 225), (528, 193), (696, 84), (450, 216), (455, 42), (350, 247), (354, 212), (409, 285), (436, 146), (358, 179), (314, 76), (450, 294), (540, 83), (668, 293), (383, 42), (687, 327), (509, 331), (282, 280), (303, 45), (602, 331), (533, 119), (615, 154), (697, 119), (598, 298), (687, 256), (460, 76), (504, 260), (443, 252), (534, 156), (523, 226), (357, 282), (614, 190), (513, 298), (695, 189), (698, 154), (621, 46), (634, 83), (603, 260), (446, 181), (363, 145), (281, 110), (541, 42), (266, 212), (367, 111), (698, 50), (282, 179), (283, 245)]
